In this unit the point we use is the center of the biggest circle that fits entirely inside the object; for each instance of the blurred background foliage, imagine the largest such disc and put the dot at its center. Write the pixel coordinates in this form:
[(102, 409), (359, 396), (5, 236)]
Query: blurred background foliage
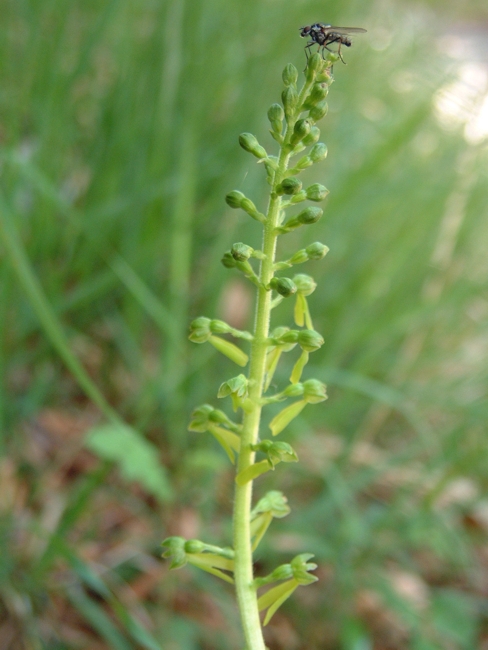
[(119, 124)]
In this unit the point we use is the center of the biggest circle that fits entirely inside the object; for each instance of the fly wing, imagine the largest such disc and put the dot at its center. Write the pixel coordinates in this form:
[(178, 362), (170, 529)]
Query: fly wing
[(345, 30)]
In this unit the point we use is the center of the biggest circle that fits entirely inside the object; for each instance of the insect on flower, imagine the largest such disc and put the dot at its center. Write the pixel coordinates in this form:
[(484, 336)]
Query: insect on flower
[(324, 35)]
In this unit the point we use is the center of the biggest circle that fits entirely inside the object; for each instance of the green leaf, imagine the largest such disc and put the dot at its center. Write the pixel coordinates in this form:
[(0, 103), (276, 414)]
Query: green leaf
[(137, 458), (252, 472)]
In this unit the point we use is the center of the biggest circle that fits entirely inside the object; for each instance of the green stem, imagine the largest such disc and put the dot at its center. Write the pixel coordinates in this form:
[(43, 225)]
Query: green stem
[(243, 562)]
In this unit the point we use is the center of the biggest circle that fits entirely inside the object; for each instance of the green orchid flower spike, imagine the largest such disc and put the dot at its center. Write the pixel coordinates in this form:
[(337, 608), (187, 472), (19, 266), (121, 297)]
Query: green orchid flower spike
[(295, 132)]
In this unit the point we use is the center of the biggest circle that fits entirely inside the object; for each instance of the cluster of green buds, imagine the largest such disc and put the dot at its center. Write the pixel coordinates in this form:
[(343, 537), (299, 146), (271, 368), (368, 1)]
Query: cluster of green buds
[(293, 125)]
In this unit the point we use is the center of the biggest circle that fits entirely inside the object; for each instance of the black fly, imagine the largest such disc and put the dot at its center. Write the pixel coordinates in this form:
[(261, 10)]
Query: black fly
[(324, 35)]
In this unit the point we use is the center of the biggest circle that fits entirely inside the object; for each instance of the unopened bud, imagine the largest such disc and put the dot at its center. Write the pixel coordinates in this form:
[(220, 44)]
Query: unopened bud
[(318, 94), (309, 215), (241, 252), (315, 64), (316, 192), (310, 340), (317, 251), (234, 198), (312, 137), (290, 185), (249, 142), (318, 152), (289, 98), (319, 111), (200, 330), (228, 261), (276, 116), (314, 391), (290, 75), (305, 284), (284, 286), (300, 131)]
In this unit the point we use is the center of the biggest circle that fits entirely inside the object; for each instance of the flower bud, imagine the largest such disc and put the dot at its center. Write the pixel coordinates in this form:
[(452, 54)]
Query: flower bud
[(299, 197), (228, 261), (276, 116), (274, 502), (200, 330), (241, 252), (316, 192), (194, 546), (314, 66), (235, 386), (200, 418), (317, 251), (319, 111), (299, 257), (305, 284), (284, 286), (300, 131), (290, 75), (283, 572), (318, 94), (318, 152), (249, 142), (290, 185), (234, 199), (219, 327), (310, 340), (314, 391), (312, 137), (289, 98), (309, 215)]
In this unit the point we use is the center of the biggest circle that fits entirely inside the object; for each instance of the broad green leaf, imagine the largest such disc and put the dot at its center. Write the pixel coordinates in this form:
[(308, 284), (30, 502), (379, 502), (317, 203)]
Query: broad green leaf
[(137, 458)]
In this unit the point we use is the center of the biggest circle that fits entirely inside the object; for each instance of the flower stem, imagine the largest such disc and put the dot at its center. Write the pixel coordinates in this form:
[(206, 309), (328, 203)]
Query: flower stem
[(243, 562)]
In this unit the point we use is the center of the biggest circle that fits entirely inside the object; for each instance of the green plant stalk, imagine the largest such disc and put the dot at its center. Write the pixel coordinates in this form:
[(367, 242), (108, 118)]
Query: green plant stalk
[(243, 563)]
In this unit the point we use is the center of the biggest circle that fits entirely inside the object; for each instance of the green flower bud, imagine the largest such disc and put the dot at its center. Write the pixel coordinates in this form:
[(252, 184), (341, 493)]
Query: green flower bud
[(274, 502), (194, 546), (312, 137), (200, 418), (300, 131), (309, 215), (234, 199), (319, 111), (299, 197), (282, 572), (318, 152), (316, 192), (324, 77), (219, 327), (200, 330), (289, 98), (317, 251), (249, 142), (309, 340), (236, 386), (318, 94), (314, 66), (228, 261), (241, 252), (290, 75), (314, 391), (299, 257), (276, 115), (290, 185), (284, 286), (305, 284)]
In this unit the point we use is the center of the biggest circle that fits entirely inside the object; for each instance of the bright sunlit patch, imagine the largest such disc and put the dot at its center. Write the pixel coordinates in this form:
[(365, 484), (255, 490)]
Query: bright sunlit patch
[(464, 101)]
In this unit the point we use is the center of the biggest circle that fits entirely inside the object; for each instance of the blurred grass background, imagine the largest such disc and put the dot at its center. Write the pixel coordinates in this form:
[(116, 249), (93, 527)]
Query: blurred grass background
[(119, 125)]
